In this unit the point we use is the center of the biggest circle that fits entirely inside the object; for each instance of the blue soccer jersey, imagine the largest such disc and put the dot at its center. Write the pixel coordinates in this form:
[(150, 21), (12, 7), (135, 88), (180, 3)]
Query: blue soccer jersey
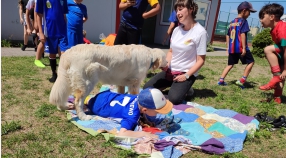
[(75, 15), (124, 106), (53, 17), (132, 16), (236, 28)]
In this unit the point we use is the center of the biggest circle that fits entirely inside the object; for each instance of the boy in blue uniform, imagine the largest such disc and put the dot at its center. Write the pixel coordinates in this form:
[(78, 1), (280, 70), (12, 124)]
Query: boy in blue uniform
[(134, 13), (129, 107), (77, 15), (54, 28), (236, 40), (173, 23)]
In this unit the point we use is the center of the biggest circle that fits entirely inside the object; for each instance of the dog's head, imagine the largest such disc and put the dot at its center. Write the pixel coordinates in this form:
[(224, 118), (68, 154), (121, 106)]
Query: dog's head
[(159, 58)]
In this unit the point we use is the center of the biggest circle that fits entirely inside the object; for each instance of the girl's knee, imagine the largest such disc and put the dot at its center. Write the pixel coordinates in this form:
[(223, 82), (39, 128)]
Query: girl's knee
[(175, 99)]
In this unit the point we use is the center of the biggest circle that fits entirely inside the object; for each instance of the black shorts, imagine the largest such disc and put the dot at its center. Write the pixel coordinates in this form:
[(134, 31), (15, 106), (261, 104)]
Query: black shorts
[(247, 59)]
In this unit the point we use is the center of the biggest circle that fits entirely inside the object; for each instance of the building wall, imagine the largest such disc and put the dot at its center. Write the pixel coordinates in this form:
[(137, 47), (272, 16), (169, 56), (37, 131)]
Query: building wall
[(162, 29), (101, 19)]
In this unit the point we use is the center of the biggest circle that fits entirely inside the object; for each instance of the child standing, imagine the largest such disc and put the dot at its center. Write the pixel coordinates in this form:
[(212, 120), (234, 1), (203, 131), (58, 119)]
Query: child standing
[(237, 47), (85, 40), (270, 16), (134, 13), (77, 15), (54, 29)]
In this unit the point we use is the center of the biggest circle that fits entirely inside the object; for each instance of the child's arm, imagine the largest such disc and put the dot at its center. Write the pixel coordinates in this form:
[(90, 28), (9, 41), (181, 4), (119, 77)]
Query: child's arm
[(29, 31), (227, 43), (20, 13), (124, 5), (243, 38), (135, 134), (154, 11), (41, 33), (283, 75)]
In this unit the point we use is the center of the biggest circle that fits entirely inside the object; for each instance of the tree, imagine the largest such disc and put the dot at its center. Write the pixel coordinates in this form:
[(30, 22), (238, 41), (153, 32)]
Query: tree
[(260, 41)]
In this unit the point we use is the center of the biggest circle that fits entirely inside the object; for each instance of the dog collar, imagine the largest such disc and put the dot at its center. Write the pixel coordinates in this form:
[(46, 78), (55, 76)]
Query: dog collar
[(152, 63)]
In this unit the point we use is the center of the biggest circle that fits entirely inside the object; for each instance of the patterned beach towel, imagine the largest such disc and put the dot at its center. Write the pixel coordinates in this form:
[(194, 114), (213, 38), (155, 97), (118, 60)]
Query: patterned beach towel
[(190, 126)]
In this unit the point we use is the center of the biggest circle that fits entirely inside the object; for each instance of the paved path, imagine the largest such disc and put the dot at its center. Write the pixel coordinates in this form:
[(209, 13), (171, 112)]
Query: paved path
[(30, 52)]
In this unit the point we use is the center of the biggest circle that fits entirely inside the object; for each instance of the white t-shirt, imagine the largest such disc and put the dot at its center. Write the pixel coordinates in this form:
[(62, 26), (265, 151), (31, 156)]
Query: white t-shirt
[(31, 4), (186, 45)]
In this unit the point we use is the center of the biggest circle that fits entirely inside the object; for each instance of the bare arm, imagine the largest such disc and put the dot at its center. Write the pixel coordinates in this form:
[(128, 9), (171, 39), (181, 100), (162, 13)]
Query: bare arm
[(28, 20), (243, 38), (125, 5), (283, 75), (39, 18), (20, 13), (227, 43), (135, 134), (154, 11), (200, 62)]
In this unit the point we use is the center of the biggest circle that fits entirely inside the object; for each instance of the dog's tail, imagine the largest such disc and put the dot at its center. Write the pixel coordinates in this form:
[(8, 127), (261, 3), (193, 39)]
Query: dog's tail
[(61, 88)]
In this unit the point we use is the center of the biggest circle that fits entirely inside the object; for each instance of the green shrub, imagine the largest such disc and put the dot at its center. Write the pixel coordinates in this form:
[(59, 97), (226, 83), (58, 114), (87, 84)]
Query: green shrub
[(260, 41), (5, 43), (210, 48)]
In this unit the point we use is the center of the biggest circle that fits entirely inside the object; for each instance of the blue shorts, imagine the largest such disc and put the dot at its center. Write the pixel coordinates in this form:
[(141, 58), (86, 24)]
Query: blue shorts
[(75, 38), (52, 44), (234, 58)]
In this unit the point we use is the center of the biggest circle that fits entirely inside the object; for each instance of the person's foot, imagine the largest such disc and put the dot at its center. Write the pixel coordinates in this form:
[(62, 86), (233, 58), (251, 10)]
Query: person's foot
[(24, 47), (54, 78), (275, 100), (272, 83), (221, 83), (241, 85), (39, 64)]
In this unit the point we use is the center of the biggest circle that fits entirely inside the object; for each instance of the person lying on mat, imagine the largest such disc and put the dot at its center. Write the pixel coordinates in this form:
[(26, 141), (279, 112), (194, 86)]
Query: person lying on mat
[(129, 107)]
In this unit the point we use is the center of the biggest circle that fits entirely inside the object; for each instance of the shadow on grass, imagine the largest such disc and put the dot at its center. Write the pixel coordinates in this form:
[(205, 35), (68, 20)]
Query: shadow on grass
[(247, 84)]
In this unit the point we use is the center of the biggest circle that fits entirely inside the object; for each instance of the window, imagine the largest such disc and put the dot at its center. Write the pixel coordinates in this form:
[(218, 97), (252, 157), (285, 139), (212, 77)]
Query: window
[(168, 7), (201, 17)]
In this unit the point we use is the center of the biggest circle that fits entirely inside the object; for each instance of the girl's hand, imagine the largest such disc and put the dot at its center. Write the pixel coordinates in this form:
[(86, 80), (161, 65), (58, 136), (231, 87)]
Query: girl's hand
[(180, 78)]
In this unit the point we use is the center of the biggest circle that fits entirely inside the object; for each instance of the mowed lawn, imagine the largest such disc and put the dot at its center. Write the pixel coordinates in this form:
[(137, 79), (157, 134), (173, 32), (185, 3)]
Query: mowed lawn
[(31, 127)]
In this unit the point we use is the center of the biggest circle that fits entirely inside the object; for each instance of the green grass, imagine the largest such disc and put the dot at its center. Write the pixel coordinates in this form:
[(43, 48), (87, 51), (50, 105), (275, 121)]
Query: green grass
[(31, 127)]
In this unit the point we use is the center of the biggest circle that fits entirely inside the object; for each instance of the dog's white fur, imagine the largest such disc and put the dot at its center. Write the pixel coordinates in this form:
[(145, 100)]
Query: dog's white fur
[(84, 65)]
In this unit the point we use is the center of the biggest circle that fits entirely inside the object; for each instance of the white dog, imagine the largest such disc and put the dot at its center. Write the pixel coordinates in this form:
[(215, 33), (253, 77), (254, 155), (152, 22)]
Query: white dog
[(84, 65)]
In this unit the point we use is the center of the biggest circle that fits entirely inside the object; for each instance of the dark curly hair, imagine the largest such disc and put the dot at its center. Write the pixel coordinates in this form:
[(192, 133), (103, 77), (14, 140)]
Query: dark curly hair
[(272, 9), (190, 4)]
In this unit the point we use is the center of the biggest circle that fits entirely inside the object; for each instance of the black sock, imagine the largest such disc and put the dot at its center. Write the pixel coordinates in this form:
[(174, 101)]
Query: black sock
[(53, 63)]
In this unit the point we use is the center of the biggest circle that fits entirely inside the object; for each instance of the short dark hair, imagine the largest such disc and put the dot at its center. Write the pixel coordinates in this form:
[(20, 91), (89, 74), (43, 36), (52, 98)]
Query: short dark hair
[(272, 9), (190, 4)]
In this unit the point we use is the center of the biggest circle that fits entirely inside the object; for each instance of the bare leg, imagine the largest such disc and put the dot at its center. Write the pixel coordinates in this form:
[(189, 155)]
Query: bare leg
[(248, 69), (275, 68), (39, 52)]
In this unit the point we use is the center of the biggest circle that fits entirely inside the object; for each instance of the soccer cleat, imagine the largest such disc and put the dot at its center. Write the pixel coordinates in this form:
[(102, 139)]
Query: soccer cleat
[(24, 47), (239, 84), (221, 83), (39, 64), (275, 100), (272, 84)]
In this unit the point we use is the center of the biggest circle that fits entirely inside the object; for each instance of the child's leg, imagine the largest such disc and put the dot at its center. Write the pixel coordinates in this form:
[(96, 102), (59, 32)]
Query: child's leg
[(40, 50), (271, 56), (249, 60), (232, 59)]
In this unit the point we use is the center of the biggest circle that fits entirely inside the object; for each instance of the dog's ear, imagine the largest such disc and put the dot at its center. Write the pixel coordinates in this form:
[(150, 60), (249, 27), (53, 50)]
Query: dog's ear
[(156, 64)]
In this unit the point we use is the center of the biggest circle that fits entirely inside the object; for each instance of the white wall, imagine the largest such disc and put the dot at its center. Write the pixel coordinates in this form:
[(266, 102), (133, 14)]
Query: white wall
[(162, 29), (102, 18)]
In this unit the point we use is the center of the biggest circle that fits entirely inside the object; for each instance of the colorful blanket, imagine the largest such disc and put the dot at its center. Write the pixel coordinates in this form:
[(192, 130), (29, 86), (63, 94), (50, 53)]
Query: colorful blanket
[(190, 127)]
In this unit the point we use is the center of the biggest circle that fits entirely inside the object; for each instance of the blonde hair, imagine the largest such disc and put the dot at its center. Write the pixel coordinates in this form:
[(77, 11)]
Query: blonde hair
[(190, 4), (84, 33)]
